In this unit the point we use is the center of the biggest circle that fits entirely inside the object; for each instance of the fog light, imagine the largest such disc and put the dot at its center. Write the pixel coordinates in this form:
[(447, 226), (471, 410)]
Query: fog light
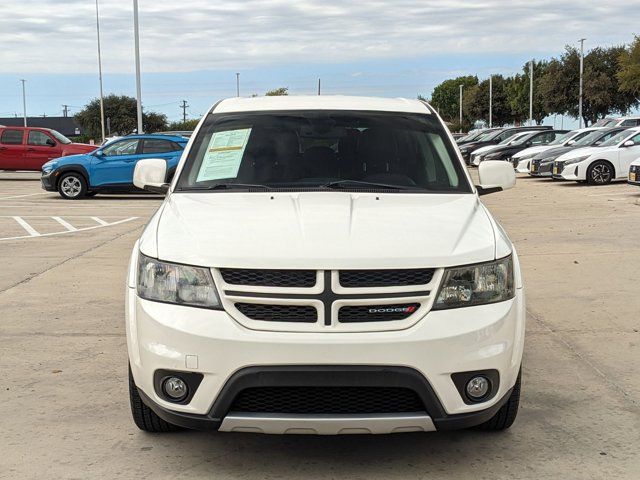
[(175, 388), (478, 387)]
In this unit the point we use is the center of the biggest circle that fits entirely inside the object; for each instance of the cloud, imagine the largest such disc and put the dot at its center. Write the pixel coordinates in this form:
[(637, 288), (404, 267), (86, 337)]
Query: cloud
[(58, 36)]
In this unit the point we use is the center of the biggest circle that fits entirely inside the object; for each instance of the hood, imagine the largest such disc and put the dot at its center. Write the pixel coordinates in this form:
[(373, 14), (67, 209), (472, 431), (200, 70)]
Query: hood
[(580, 152), (484, 149), (72, 148), (553, 152), (531, 151), (321, 230)]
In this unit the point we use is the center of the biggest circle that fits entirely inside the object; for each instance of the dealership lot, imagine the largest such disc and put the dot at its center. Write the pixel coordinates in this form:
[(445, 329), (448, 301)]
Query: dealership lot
[(64, 405)]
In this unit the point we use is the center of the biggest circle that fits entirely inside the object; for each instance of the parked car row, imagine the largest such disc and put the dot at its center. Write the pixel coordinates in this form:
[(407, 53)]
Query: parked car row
[(607, 151)]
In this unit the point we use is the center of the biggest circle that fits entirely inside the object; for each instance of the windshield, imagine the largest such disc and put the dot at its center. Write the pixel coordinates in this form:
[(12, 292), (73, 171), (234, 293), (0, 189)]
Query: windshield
[(560, 139), (517, 139), (322, 149), (589, 139), (616, 139), (61, 138)]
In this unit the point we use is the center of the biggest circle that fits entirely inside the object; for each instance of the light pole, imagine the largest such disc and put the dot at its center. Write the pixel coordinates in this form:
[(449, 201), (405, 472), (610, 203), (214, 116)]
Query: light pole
[(136, 34), (531, 92), (490, 100), (100, 72), (461, 108), (24, 102), (237, 84), (581, 74)]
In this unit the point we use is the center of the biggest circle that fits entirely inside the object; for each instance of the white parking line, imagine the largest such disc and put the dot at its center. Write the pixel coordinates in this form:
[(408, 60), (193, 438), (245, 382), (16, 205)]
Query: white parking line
[(68, 227), (98, 220), (65, 224), (30, 230), (24, 195)]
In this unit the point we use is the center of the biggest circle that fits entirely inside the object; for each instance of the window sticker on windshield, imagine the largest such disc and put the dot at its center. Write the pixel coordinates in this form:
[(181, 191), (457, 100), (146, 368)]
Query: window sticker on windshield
[(224, 154)]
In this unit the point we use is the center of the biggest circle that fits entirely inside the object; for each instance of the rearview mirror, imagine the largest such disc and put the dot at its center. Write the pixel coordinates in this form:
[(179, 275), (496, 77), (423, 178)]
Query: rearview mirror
[(150, 175), (629, 143), (495, 176)]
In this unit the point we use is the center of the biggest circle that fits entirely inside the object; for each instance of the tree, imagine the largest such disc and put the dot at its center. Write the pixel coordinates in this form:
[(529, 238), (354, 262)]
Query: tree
[(122, 114), (629, 73), (602, 93), (188, 125), (446, 99), (518, 90), (476, 102), (278, 92)]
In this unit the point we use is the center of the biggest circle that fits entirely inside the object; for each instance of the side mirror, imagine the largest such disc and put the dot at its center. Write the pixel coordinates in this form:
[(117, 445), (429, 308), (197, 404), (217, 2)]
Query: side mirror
[(150, 175), (50, 143), (571, 142), (528, 143), (495, 176), (99, 153), (629, 143)]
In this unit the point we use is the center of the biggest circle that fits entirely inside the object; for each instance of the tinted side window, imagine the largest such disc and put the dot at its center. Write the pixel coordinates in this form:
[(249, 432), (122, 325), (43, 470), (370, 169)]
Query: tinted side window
[(38, 138), (123, 147), (11, 137), (156, 146), (630, 123)]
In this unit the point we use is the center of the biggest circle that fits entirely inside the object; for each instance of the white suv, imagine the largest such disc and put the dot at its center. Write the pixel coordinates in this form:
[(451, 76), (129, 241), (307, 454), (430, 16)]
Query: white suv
[(603, 164), (324, 265)]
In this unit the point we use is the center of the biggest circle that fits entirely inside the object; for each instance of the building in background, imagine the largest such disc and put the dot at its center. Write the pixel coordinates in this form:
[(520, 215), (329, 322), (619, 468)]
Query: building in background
[(65, 125)]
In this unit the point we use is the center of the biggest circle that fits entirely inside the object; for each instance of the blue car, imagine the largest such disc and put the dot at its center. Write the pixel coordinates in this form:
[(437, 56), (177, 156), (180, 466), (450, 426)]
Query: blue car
[(109, 169)]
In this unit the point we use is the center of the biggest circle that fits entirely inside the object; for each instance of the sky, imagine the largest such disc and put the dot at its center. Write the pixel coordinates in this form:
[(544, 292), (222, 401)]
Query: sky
[(192, 49)]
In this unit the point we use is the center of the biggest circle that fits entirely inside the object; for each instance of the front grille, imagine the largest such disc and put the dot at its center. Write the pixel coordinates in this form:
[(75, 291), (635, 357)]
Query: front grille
[(269, 278), (327, 400), (278, 313), (385, 278), (376, 313)]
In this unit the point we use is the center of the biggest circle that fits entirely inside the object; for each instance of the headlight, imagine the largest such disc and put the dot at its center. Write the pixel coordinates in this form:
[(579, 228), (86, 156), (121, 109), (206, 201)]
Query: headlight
[(576, 160), (478, 284), (48, 167), (173, 283)]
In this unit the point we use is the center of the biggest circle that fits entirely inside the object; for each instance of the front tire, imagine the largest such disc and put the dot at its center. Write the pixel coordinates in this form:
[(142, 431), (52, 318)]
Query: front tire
[(72, 186), (145, 418), (600, 173), (505, 417)]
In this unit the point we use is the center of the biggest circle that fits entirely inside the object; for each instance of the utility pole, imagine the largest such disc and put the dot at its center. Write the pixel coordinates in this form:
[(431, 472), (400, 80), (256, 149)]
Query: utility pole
[(99, 71), (136, 34), (184, 110), (490, 100), (65, 110), (24, 102), (318, 86), (461, 108), (531, 92), (237, 85), (581, 74)]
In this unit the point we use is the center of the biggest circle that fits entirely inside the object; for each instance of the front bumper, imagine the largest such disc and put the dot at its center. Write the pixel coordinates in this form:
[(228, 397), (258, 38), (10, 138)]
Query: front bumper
[(48, 181), (171, 337), (539, 169)]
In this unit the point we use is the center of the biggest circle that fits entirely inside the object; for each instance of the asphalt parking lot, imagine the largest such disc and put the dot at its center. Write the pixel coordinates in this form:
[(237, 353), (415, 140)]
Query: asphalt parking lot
[(64, 409)]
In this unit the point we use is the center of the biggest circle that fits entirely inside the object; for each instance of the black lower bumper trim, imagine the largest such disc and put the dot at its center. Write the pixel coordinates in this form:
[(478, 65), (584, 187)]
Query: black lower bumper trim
[(335, 376)]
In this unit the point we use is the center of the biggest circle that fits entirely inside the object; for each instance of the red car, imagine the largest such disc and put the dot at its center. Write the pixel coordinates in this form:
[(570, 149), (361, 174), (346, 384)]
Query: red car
[(28, 148)]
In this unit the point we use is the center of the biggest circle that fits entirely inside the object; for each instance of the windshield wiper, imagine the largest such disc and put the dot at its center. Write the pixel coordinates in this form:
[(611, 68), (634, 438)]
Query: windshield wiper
[(229, 186), (338, 184)]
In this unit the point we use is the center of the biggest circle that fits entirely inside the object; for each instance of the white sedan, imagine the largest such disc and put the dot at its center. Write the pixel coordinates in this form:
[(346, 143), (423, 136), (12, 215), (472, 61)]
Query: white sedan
[(522, 159), (600, 165)]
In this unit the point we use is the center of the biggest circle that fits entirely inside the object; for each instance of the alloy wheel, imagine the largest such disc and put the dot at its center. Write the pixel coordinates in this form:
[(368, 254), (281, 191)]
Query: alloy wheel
[(71, 186), (601, 173)]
